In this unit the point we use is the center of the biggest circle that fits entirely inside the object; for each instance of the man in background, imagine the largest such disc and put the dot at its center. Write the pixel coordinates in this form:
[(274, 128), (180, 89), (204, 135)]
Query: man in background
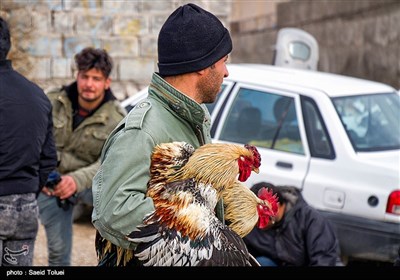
[(27, 155), (84, 113)]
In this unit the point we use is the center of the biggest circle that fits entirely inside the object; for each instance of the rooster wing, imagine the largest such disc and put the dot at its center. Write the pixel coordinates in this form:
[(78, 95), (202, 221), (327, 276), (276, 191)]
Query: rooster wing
[(184, 231)]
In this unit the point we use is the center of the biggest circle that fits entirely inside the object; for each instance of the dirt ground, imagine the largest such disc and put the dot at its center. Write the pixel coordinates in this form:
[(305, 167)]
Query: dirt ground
[(84, 254), (83, 251)]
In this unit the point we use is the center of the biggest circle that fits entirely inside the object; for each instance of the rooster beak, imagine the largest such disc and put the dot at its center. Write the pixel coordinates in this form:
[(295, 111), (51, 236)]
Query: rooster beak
[(256, 170)]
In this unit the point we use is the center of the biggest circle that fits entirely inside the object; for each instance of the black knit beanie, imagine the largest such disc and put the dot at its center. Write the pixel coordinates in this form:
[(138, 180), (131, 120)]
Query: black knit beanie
[(190, 40)]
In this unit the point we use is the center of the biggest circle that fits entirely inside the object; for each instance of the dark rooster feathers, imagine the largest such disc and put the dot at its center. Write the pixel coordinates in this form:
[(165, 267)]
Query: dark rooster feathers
[(195, 237)]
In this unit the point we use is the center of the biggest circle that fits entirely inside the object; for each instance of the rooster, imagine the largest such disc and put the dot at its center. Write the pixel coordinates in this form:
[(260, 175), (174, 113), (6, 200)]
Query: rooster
[(185, 185), (244, 210)]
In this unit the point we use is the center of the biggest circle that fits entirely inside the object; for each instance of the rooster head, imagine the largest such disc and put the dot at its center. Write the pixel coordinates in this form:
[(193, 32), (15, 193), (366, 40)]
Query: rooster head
[(268, 209), (248, 164)]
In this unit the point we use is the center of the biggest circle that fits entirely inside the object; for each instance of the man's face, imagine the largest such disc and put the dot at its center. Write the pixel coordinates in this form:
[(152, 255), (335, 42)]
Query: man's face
[(92, 85), (210, 85)]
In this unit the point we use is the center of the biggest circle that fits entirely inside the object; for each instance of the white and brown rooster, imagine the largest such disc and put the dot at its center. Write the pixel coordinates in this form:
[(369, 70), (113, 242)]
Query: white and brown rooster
[(185, 186)]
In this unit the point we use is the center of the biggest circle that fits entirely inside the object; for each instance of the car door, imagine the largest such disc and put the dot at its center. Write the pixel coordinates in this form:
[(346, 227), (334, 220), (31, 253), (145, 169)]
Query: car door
[(269, 119)]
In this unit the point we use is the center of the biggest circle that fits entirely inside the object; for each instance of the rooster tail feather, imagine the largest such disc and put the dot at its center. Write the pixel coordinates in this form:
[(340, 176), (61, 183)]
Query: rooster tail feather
[(109, 254), (147, 233)]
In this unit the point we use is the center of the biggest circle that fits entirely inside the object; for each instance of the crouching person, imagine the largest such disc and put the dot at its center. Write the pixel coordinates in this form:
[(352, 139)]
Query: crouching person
[(299, 235)]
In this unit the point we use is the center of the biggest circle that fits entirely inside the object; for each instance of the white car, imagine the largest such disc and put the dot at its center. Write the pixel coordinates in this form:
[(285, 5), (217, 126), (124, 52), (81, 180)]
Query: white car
[(336, 138)]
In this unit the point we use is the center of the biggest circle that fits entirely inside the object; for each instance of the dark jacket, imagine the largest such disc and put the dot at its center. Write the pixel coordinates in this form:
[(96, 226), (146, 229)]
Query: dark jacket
[(302, 238), (397, 260), (27, 149)]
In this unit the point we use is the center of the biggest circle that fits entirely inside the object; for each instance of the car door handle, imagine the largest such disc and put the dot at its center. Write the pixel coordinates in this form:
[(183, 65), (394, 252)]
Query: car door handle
[(284, 164)]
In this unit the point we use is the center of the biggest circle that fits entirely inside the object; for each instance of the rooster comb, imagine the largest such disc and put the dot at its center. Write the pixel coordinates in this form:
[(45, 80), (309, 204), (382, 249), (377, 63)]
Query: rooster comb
[(256, 154), (270, 197)]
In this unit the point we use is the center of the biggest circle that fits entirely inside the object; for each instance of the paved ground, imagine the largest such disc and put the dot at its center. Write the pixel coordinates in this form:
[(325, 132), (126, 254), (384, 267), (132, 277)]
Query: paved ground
[(83, 252)]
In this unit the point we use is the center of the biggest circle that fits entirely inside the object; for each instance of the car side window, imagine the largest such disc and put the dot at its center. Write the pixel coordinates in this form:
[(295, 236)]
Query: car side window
[(317, 134), (263, 119)]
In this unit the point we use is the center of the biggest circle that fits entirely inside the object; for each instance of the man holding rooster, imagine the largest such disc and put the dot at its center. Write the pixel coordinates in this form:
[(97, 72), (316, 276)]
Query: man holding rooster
[(193, 48)]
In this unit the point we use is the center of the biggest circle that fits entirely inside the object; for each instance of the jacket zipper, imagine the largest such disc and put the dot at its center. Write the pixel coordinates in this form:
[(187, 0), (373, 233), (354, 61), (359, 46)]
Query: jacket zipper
[(199, 134)]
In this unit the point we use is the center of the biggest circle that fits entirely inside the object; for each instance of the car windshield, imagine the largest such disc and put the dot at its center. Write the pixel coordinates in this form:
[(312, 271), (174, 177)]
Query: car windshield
[(372, 122)]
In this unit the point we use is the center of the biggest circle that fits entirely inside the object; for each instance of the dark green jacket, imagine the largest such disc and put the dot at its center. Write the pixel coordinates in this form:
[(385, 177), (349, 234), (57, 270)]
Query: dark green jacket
[(120, 185)]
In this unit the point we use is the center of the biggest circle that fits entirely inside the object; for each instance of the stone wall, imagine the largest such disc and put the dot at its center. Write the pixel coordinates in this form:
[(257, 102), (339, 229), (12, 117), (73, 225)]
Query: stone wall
[(356, 38), (47, 33)]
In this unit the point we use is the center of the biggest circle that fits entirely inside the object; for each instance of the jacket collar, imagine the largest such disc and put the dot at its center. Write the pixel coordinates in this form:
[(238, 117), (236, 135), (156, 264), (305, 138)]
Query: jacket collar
[(294, 201), (180, 103)]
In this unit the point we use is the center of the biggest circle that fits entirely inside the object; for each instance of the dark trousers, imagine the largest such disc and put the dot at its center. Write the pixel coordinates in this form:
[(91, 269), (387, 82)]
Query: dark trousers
[(18, 229)]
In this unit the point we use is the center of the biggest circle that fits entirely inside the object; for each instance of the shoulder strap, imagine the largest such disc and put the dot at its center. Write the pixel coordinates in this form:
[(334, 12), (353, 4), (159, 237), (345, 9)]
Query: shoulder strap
[(136, 115)]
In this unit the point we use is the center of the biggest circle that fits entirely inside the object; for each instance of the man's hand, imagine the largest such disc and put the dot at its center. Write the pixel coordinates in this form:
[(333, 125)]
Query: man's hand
[(66, 188), (47, 191)]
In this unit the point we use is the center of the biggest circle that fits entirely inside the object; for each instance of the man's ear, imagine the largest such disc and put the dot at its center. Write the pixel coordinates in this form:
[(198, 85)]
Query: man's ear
[(201, 72), (108, 83)]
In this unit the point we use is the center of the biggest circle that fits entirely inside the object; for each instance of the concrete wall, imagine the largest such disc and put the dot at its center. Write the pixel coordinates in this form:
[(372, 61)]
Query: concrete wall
[(356, 38)]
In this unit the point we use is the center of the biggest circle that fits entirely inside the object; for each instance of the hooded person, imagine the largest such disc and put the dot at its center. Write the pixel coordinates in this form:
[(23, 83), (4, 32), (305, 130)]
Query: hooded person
[(298, 236)]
